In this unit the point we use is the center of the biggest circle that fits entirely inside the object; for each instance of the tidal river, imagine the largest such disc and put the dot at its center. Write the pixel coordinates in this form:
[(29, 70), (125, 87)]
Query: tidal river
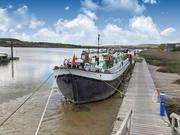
[(23, 76)]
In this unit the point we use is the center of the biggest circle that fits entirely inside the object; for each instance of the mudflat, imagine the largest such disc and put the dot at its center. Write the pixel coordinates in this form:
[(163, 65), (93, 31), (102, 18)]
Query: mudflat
[(165, 82)]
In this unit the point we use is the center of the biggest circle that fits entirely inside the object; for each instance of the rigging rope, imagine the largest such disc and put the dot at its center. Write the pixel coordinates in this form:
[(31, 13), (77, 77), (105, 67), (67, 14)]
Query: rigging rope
[(37, 89)]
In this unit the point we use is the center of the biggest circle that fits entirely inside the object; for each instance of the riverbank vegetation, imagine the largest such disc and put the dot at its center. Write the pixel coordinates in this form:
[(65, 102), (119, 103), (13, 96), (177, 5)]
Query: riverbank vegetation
[(177, 81), (169, 61), (6, 42)]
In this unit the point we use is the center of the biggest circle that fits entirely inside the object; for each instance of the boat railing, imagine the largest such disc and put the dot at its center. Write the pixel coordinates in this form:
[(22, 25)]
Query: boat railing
[(175, 122), (126, 125)]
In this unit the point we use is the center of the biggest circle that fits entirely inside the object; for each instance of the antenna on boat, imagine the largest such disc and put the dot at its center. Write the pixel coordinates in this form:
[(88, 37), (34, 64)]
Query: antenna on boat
[(98, 48)]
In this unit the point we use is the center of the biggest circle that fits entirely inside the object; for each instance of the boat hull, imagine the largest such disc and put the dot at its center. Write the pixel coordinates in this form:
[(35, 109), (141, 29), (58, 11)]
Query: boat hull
[(80, 89), (81, 86)]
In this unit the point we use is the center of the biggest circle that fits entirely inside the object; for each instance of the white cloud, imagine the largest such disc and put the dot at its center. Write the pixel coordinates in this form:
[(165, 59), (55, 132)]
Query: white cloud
[(135, 34), (113, 20), (168, 31), (83, 30), (20, 17), (12, 33), (151, 1), (131, 5), (34, 22), (4, 21), (89, 4), (111, 5), (46, 35), (90, 14), (144, 25), (19, 26), (142, 29), (67, 8), (23, 18), (81, 22), (112, 34), (22, 10), (23, 36), (113, 28), (13, 22), (80, 30)]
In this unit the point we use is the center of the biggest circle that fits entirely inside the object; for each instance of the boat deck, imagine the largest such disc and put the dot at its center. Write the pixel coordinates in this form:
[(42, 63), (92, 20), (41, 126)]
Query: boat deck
[(140, 97)]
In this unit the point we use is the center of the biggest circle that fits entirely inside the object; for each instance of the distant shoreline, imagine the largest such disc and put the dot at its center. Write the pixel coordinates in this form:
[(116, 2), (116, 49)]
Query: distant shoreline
[(6, 42), (46, 47), (49, 45)]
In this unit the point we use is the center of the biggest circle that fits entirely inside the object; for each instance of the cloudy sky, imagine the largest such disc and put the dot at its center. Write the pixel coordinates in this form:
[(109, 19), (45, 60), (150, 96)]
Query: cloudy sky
[(79, 21)]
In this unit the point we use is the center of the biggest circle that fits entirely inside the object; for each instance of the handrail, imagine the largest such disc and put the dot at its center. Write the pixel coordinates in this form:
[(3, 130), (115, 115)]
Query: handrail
[(175, 122), (126, 125)]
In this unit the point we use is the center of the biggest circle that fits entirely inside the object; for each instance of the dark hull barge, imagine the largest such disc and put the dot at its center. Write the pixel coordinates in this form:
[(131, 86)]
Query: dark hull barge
[(81, 86)]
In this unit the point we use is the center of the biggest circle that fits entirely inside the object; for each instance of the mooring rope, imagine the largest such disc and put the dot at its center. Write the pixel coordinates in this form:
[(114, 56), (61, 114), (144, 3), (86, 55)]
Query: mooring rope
[(44, 111), (114, 88), (37, 89)]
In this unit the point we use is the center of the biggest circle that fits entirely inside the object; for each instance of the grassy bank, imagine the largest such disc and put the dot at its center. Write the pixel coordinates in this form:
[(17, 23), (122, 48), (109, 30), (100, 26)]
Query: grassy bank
[(5, 42), (169, 61)]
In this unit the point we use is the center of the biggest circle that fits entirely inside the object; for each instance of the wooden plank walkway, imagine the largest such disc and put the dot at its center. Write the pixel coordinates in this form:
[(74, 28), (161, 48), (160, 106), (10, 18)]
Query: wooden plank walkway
[(145, 118)]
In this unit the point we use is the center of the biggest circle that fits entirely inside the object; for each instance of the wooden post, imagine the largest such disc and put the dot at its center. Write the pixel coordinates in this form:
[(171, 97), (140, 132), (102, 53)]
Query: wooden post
[(12, 58), (12, 51)]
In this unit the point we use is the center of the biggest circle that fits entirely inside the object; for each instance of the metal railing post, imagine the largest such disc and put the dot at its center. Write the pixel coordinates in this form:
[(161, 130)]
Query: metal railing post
[(126, 125), (175, 122)]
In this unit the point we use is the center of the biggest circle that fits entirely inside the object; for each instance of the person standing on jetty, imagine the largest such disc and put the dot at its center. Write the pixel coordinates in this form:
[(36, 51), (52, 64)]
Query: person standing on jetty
[(130, 59)]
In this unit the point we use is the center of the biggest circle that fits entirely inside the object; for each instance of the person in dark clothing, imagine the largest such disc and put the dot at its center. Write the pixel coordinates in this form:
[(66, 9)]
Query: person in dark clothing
[(130, 58), (97, 60)]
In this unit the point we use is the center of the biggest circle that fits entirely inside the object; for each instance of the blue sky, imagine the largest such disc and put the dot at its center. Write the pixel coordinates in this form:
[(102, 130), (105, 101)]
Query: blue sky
[(79, 21)]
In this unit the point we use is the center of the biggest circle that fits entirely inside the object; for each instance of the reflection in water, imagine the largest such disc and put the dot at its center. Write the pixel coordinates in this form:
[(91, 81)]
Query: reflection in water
[(12, 60), (12, 66), (20, 77)]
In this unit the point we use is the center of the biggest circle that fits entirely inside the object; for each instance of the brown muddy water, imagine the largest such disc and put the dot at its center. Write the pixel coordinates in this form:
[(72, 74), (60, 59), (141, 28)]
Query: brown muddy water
[(33, 67)]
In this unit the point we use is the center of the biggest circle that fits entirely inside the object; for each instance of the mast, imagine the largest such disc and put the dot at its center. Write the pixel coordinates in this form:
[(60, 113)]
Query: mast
[(98, 48)]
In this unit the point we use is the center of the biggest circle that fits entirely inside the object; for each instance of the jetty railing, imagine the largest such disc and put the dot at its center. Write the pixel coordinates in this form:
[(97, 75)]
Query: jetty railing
[(126, 125), (175, 122)]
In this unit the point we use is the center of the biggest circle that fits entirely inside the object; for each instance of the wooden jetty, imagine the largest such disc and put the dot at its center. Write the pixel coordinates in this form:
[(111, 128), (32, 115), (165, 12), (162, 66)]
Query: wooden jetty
[(139, 113), (4, 58)]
